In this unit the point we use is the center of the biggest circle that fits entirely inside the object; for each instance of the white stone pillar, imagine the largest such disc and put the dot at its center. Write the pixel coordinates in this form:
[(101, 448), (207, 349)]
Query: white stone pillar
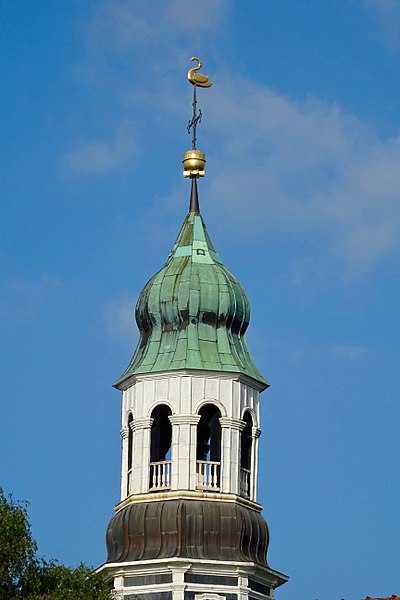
[(243, 585), (141, 455), (230, 454), (124, 465), (119, 586), (255, 434), (183, 451), (178, 581)]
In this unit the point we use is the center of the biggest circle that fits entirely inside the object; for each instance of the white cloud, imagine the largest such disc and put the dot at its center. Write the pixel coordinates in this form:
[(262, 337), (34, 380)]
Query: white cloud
[(276, 166), (305, 350), (99, 157), (350, 352), (132, 49), (123, 26), (208, 15), (388, 14), (119, 315), (309, 169), (117, 26), (21, 299)]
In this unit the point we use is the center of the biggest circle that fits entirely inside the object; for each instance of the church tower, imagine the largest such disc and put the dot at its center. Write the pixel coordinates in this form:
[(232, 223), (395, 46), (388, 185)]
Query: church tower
[(188, 525)]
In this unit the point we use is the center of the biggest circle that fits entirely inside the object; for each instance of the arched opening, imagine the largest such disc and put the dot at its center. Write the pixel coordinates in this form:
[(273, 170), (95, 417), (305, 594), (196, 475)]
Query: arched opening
[(245, 455), (160, 448), (209, 447), (130, 455)]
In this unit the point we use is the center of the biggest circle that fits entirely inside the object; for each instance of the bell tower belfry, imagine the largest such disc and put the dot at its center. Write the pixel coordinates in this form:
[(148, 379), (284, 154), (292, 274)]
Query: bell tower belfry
[(188, 525)]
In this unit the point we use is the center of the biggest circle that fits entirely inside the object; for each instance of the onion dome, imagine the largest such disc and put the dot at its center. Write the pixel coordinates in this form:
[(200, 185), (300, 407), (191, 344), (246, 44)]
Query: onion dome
[(189, 529), (193, 313)]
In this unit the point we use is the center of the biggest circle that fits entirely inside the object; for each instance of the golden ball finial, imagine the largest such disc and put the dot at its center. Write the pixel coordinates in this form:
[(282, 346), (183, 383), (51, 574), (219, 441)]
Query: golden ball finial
[(194, 162)]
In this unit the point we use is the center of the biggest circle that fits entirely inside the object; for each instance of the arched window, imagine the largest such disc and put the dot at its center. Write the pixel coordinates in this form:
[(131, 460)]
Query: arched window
[(160, 448), (130, 441), (130, 457), (161, 433), (245, 455), (209, 447), (209, 433)]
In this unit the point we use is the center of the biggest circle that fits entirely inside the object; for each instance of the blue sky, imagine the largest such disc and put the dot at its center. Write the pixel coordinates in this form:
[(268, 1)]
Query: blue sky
[(302, 201)]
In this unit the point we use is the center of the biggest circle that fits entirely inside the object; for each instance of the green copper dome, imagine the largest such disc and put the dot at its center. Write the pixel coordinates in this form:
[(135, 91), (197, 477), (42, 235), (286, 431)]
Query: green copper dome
[(193, 313)]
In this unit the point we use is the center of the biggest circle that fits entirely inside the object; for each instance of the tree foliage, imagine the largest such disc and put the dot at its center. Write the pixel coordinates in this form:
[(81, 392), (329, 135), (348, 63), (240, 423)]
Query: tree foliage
[(24, 575)]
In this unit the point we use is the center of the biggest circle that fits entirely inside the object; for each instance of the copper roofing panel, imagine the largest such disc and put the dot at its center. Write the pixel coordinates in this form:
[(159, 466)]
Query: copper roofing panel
[(188, 529), (193, 313)]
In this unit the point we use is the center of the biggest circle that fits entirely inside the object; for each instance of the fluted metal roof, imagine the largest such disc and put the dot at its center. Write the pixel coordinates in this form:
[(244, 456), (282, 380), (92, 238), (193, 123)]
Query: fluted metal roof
[(188, 529), (193, 313)]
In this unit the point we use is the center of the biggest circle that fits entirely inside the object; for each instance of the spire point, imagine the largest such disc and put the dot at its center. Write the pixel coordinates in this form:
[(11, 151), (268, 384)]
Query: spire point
[(194, 198)]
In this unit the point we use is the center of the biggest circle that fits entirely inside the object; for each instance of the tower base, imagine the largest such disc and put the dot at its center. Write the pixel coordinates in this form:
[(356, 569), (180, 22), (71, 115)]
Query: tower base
[(177, 579)]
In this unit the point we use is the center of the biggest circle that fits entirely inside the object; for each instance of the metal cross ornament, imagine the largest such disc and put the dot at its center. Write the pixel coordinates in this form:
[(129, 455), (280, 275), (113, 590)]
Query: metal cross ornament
[(197, 80)]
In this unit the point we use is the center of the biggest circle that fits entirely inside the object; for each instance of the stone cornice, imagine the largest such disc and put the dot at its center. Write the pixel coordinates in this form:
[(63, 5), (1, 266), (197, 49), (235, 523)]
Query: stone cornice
[(184, 419), (186, 494), (144, 423), (232, 423), (195, 373), (124, 432)]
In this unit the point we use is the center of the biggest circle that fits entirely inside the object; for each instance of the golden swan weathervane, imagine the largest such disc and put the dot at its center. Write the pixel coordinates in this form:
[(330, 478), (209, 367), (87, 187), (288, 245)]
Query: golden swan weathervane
[(198, 78), (194, 160)]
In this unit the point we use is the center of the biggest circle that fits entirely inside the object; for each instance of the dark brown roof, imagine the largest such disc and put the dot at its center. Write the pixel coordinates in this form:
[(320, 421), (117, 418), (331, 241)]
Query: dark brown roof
[(188, 529), (394, 597)]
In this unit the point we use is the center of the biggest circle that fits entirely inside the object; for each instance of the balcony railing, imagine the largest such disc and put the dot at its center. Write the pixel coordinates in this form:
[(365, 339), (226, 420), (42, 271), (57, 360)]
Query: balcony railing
[(208, 475), (245, 483), (160, 475)]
